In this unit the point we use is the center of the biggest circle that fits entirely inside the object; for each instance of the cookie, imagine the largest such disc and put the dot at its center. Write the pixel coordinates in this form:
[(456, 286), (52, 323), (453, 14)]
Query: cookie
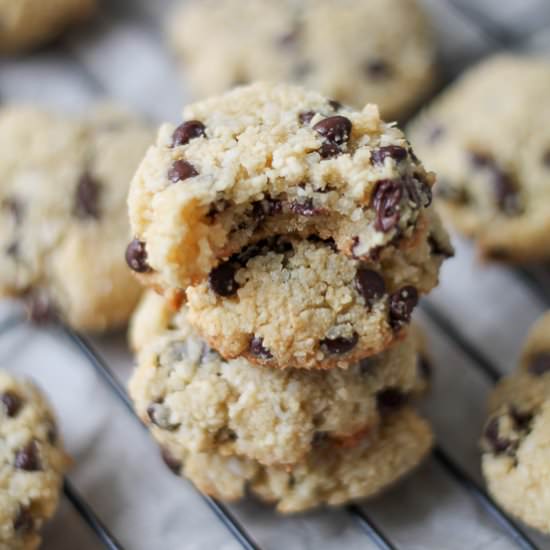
[(28, 23), (302, 304), (330, 475), (33, 463), (63, 223), (354, 51), (487, 138), (268, 160), (192, 398), (516, 441)]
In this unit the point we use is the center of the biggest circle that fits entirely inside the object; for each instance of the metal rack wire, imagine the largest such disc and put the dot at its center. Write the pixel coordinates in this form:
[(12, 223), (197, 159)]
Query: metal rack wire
[(502, 38)]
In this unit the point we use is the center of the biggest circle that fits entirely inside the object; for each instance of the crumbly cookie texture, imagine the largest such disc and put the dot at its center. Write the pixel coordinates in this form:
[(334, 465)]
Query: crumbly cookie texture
[(193, 399), (302, 304), (330, 474), (349, 50), (266, 160), (63, 223), (488, 139), (516, 441), (27, 23), (33, 463)]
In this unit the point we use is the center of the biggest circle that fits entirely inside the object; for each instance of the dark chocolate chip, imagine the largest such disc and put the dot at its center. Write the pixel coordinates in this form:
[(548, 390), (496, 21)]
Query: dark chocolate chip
[(222, 280), (546, 158), (305, 208), (174, 465), (28, 458), (506, 192), (187, 131), (339, 345), (15, 208), (539, 364), (402, 304), (86, 201), (327, 242), (394, 152), (370, 285), (159, 415), (12, 403), (378, 69), (13, 249), (329, 150), (258, 350), (335, 129), (497, 444), (266, 207), (306, 116), (181, 170), (40, 308), (386, 199), (418, 191), (335, 105), (438, 249), (136, 257), (225, 435), (24, 522), (424, 367), (522, 419), (390, 399)]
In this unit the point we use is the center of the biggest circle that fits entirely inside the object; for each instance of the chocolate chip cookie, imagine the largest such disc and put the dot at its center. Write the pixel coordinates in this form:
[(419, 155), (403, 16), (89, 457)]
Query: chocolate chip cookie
[(330, 474), (33, 463), (28, 23), (488, 140), (516, 440), (268, 160), (354, 51), (193, 399), (288, 302), (63, 223)]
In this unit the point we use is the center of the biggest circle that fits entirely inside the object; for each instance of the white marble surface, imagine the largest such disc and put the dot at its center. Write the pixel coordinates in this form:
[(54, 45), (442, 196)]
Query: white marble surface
[(117, 469)]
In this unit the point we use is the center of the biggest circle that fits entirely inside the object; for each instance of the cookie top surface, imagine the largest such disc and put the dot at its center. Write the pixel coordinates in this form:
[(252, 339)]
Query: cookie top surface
[(32, 463), (26, 23), (487, 138), (192, 398), (265, 160), (302, 304), (354, 51), (516, 439), (63, 223), (330, 475)]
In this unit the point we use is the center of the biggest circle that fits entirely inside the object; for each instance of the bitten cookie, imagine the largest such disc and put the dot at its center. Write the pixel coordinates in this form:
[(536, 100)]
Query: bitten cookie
[(488, 139), (63, 223), (28, 23), (516, 441), (330, 474), (302, 304), (267, 160), (33, 463), (191, 398), (354, 51)]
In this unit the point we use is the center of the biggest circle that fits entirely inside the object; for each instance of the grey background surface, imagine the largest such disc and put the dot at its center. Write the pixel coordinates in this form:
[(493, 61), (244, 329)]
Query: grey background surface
[(117, 469)]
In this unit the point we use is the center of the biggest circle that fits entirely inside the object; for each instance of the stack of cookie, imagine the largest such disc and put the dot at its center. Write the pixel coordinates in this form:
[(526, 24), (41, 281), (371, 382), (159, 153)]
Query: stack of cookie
[(290, 238)]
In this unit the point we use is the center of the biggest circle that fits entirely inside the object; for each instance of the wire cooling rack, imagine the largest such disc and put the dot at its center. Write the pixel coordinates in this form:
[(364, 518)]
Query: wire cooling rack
[(436, 312)]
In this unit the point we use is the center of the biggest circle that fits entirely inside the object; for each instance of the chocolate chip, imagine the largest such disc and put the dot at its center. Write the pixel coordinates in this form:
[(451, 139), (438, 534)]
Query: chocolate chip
[(370, 285), (386, 199), (12, 403), (305, 208), (13, 249), (306, 116), (181, 170), (339, 345), (522, 419), (28, 458), (402, 304), (378, 69), (497, 444), (418, 191), (390, 399), (258, 350), (438, 249), (23, 522), (335, 129), (86, 201), (225, 435), (266, 207), (424, 367), (539, 364), (41, 309), (327, 242), (136, 257), (480, 159), (15, 208), (159, 415), (174, 465), (335, 105), (187, 131), (329, 150), (394, 152), (546, 158), (222, 280)]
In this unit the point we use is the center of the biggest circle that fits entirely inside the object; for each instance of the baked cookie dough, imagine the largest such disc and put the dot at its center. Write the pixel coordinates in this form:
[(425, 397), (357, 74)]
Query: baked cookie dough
[(63, 223), (302, 304), (488, 139), (267, 160), (33, 463), (354, 51), (516, 442), (191, 398), (28, 23), (330, 474)]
